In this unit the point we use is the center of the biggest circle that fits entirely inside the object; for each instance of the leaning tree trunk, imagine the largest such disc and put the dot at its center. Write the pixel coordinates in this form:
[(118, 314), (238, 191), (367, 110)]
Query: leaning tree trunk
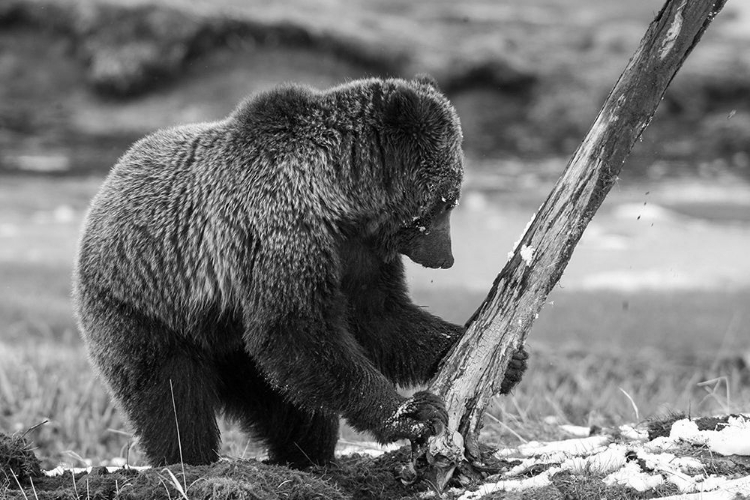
[(470, 374)]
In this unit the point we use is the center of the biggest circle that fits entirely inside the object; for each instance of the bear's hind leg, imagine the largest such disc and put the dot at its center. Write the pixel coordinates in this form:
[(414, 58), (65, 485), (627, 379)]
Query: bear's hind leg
[(138, 357), (293, 436), (177, 422)]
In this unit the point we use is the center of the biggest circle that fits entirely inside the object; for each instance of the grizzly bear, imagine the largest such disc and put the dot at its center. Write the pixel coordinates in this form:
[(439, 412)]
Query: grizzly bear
[(252, 267)]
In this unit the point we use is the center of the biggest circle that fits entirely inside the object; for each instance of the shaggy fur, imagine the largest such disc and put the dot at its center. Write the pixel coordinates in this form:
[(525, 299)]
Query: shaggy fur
[(252, 266)]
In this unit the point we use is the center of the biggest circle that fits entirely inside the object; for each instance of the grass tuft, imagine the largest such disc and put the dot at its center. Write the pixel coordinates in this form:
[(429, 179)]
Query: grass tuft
[(17, 459)]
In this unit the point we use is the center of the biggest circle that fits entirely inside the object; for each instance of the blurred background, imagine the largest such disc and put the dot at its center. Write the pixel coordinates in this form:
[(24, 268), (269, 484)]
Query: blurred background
[(651, 315)]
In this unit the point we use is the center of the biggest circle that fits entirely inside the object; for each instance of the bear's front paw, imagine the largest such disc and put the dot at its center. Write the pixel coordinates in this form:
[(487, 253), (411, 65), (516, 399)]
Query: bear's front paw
[(419, 417), (516, 368)]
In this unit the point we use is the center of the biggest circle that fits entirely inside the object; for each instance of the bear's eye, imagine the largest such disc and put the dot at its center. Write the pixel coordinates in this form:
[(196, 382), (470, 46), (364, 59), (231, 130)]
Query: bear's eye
[(448, 204)]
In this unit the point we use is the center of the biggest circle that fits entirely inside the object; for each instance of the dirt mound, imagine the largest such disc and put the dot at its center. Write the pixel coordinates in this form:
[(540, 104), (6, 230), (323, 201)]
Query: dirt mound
[(17, 460), (354, 476)]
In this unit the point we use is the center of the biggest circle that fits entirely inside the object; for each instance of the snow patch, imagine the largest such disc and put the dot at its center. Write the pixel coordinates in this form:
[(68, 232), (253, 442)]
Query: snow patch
[(527, 254), (60, 470), (370, 448), (631, 475), (520, 238), (636, 463), (569, 447), (631, 433), (717, 488), (576, 430), (732, 439), (603, 462), (537, 481)]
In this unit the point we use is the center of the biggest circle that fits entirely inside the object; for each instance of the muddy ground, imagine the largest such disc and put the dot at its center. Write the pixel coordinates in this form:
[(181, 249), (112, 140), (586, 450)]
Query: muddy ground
[(670, 456), (355, 476)]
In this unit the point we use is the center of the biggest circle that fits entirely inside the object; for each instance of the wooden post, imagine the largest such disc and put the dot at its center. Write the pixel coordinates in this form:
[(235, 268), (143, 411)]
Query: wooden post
[(471, 373)]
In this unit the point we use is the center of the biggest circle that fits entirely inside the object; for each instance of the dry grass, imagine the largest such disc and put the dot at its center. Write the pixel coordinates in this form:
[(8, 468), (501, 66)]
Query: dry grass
[(586, 388), (54, 381)]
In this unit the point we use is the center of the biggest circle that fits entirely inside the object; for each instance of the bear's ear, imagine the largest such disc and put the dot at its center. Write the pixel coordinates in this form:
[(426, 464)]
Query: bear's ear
[(411, 114), (426, 79)]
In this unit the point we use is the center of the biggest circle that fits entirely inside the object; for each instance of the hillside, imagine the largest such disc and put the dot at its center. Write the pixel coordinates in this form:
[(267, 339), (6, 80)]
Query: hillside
[(81, 79)]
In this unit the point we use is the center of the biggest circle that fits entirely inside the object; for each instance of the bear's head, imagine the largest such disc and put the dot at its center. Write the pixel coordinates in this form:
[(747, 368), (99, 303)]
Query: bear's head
[(425, 135)]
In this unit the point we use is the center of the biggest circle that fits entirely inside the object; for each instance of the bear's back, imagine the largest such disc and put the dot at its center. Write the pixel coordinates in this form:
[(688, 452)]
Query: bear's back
[(159, 235)]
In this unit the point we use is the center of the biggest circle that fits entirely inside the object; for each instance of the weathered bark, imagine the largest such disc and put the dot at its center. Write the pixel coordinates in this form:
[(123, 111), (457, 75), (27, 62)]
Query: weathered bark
[(471, 373)]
